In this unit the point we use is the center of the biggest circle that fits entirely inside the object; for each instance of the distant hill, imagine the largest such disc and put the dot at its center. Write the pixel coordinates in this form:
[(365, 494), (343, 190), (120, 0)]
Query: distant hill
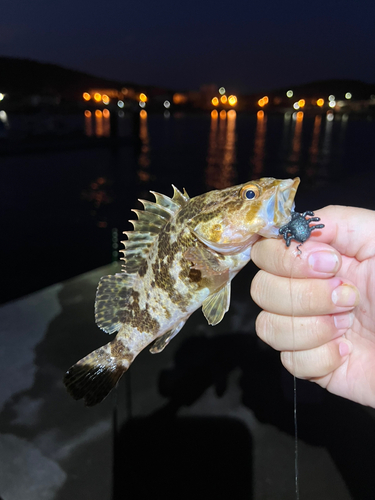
[(29, 77), (338, 88)]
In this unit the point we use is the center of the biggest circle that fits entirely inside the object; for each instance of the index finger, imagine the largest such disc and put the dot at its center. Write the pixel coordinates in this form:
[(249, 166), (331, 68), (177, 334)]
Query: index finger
[(315, 259), (350, 230)]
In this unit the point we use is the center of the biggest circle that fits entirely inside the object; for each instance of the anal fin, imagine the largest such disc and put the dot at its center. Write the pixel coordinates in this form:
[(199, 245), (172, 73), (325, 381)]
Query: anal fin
[(216, 305)]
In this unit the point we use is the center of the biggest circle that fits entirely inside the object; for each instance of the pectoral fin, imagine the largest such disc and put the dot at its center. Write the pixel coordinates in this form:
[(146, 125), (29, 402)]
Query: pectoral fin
[(164, 340), (216, 305), (206, 261)]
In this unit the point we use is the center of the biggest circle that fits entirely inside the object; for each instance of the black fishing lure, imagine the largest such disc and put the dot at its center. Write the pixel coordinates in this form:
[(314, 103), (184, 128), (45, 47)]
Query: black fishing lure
[(298, 227)]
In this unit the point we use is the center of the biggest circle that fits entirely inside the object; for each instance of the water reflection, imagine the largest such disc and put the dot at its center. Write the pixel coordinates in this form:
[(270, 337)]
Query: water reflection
[(294, 156), (144, 156), (97, 124), (326, 146), (220, 171), (97, 195), (314, 148), (88, 123), (257, 160)]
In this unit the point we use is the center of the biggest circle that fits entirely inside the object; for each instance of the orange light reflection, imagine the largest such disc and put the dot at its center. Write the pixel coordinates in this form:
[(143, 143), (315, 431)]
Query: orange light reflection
[(259, 144), (220, 172)]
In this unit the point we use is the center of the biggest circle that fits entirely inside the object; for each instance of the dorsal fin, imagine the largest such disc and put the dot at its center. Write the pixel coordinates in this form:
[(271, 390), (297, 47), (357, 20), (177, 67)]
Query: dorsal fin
[(149, 224)]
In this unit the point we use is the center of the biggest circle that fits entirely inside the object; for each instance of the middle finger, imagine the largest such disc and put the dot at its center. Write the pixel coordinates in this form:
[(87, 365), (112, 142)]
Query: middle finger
[(303, 297)]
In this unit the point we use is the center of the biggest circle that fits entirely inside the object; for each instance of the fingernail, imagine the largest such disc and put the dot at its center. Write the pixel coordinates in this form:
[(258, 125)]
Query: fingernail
[(345, 347), (345, 295), (324, 262), (343, 321)]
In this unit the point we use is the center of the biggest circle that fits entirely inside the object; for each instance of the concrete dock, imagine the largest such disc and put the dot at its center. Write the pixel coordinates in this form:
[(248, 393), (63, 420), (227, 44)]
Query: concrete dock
[(209, 417)]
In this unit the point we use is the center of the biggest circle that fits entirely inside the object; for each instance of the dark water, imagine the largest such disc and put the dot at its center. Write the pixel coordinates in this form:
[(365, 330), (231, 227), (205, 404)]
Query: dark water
[(62, 211)]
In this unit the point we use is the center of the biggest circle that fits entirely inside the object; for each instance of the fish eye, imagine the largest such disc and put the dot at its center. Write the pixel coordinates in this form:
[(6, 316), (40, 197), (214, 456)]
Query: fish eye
[(249, 192)]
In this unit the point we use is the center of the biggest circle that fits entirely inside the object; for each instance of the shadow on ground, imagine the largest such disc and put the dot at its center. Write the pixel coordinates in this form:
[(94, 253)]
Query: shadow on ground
[(213, 456)]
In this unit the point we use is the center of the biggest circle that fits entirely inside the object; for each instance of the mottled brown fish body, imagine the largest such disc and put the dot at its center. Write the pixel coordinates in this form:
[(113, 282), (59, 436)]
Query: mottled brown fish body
[(182, 254)]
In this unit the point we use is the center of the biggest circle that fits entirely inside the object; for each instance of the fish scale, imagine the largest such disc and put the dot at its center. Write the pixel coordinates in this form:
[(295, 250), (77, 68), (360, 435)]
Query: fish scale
[(182, 254)]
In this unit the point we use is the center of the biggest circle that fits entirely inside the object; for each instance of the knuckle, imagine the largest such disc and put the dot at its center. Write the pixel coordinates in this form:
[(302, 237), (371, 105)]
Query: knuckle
[(310, 300), (264, 327), (257, 287)]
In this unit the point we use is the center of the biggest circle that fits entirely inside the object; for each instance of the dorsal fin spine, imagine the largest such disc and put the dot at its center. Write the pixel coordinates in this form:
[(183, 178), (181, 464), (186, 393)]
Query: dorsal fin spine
[(178, 197), (149, 216), (165, 201), (157, 209)]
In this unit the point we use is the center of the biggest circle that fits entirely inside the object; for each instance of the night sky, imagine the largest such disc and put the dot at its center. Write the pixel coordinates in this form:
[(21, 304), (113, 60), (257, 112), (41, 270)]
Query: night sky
[(245, 46)]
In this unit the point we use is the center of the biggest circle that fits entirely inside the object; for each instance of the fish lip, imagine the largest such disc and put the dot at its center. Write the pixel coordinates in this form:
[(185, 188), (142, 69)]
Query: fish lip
[(284, 200)]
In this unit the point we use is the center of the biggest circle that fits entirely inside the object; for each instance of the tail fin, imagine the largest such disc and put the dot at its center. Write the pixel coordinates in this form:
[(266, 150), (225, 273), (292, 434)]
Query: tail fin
[(93, 377)]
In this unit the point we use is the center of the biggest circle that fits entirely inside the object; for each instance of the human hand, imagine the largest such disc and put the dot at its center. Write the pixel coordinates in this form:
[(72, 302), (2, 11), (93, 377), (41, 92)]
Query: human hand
[(319, 307)]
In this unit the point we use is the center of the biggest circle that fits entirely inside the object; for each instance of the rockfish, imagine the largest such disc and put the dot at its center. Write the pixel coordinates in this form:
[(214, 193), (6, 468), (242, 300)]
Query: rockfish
[(182, 254)]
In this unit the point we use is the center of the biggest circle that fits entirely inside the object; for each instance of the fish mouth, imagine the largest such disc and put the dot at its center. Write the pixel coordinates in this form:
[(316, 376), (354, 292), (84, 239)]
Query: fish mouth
[(279, 207)]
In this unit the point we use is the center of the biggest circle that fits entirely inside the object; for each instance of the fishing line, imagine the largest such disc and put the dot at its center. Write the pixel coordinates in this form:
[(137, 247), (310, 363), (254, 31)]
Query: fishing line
[(297, 254)]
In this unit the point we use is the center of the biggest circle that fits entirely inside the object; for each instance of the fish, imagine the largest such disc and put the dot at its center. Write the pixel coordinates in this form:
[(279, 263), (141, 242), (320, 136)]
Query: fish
[(181, 255)]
